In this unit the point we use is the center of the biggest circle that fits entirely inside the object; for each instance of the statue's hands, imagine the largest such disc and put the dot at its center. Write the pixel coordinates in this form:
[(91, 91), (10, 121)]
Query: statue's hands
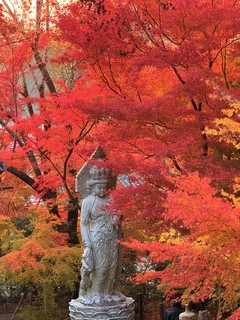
[(87, 252), (88, 258)]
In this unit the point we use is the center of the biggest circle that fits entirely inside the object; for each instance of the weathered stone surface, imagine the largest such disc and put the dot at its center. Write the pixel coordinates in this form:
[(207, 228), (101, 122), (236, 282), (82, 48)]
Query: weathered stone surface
[(119, 311), (99, 295), (204, 315)]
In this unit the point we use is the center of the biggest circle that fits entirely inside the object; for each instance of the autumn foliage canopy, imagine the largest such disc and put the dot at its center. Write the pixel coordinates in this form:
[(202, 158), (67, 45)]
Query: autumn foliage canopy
[(157, 85)]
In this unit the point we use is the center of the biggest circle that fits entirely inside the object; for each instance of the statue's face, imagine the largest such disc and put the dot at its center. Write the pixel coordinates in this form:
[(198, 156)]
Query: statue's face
[(100, 189)]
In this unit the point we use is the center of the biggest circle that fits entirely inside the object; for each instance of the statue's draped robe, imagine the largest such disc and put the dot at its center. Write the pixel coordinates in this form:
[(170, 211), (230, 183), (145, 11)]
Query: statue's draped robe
[(100, 235)]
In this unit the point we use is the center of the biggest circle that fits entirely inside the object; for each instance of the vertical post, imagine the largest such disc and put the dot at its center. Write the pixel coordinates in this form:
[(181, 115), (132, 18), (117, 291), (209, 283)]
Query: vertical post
[(140, 306), (161, 310), (44, 298)]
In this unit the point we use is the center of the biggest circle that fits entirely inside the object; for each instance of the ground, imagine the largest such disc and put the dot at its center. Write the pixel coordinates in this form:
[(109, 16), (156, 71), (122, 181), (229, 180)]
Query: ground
[(5, 316), (151, 312)]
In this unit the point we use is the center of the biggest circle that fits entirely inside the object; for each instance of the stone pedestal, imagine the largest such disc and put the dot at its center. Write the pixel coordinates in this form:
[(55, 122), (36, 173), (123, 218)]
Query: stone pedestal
[(123, 310)]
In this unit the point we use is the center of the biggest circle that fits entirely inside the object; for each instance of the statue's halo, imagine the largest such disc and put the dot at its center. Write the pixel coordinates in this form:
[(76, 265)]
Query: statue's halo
[(83, 175)]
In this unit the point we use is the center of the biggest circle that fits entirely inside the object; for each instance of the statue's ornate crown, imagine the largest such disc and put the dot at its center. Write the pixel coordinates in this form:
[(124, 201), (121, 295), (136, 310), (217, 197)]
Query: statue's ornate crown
[(100, 174)]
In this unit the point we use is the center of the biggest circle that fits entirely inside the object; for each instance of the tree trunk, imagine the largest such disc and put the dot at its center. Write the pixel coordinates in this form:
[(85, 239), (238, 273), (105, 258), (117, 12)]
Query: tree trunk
[(49, 196), (73, 221)]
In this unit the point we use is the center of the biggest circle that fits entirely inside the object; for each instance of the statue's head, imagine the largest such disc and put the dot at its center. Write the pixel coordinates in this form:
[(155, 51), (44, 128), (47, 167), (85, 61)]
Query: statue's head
[(98, 182)]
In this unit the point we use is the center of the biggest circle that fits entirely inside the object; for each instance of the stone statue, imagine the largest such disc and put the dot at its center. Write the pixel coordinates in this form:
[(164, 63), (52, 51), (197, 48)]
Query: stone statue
[(99, 293), (100, 234)]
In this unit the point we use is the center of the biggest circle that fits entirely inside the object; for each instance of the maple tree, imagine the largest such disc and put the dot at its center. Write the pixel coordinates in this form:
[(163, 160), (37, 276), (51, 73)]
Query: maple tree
[(42, 146), (156, 84), (36, 260), (167, 74), (200, 244), (42, 136)]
